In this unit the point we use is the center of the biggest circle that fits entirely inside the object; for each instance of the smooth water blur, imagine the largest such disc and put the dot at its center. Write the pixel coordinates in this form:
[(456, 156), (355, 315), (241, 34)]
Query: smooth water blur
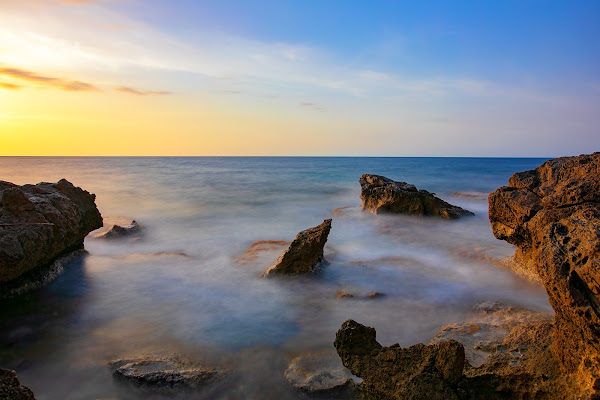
[(189, 287)]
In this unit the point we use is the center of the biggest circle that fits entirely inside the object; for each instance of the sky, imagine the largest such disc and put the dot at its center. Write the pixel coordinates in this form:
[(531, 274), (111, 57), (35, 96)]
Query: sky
[(299, 78)]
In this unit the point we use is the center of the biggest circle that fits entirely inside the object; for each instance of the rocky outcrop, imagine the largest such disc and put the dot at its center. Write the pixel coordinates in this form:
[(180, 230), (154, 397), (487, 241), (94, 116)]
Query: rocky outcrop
[(11, 388), (38, 224), (552, 215), (382, 195), (118, 228), (318, 373), (170, 372), (418, 372), (305, 254)]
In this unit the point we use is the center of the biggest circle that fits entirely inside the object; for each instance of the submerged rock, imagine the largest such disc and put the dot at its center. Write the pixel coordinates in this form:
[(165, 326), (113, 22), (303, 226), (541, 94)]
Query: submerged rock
[(382, 195), (318, 372), (418, 372), (305, 254), (170, 372), (117, 228), (38, 224), (11, 388), (552, 215)]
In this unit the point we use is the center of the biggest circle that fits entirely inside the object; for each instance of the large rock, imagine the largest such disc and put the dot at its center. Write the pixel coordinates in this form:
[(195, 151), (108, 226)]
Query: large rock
[(11, 388), (305, 254), (418, 372), (38, 224), (552, 214), (382, 195), (169, 372)]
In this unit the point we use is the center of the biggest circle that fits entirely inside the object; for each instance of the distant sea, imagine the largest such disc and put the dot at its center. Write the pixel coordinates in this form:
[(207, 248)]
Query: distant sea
[(188, 285)]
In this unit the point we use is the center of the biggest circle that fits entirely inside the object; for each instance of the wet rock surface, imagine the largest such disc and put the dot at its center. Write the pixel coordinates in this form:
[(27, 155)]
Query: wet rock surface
[(118, 228), (318, 372), (383, 195), (38, 224), (305, 254), (552, 215), (11, 388), (170, 372)]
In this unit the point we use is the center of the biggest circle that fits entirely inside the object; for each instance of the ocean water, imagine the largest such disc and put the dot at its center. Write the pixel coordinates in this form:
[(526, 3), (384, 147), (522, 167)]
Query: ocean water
[(190, 286)]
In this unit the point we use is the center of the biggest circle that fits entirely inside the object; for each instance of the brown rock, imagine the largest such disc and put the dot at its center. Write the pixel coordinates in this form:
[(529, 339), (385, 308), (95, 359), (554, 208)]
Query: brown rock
[(418, 372), (380, 194), (305, 254), (118, 228), (38, 224), (11, 388)]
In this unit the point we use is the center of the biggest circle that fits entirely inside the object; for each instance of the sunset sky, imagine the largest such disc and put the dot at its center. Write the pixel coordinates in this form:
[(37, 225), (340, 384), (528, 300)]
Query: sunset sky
[(377, 78)]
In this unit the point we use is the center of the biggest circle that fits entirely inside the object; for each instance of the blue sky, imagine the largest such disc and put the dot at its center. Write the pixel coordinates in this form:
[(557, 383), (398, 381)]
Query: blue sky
[(464, 78)]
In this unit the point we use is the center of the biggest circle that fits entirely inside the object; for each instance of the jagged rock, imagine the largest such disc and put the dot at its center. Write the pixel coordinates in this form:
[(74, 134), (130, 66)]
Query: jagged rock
[(38, 224), (418, 372), (318, 372), (305, 254), (380, 194), (170, 372), (11, 388), (552, 214), (118, 227)]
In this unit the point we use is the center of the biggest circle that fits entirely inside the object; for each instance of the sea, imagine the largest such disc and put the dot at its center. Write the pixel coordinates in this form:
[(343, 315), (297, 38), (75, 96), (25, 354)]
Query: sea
[(191, 282)]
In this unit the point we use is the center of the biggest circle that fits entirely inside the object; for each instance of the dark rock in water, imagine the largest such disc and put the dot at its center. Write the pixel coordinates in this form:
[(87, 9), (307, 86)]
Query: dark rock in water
[(382, 195), (552, 214), (318, 372), (11, 388), (171, 372), (418, 372), (305, 254), (38, 224), (117, 228)]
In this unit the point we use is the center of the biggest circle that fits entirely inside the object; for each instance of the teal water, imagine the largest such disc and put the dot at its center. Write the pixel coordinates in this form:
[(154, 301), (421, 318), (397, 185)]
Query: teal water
[(123, 299)]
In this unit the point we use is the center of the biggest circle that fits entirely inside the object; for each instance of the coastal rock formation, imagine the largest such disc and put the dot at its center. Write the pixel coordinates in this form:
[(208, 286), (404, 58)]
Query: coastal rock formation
[(38, 224), (170, 372), (418, 372), (552, 214), (382, 195), (11, 388), (318, 372), (118, 227), (305, 254)]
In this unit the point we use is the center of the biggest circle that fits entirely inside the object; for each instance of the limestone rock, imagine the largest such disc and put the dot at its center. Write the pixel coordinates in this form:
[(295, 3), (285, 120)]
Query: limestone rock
[(552, 214), (418, 372), (11, 388), (317, 372), (169, 372), (382, 195), (305, 254), (38, 224)]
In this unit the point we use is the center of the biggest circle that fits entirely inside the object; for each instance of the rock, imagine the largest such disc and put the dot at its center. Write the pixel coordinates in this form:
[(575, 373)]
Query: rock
[(258, 250), (552, 214), (169, 372), (418, 372), (38, 224), (117, 228), (318, 372), (11, 388), (305, 254), (342, 294), (380, 194)]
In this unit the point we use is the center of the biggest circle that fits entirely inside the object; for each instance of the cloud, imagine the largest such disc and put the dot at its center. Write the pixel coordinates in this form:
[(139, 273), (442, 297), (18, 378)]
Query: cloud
[(230, 91), (125, 89), (312, 105), (10, 86), (64, 84)]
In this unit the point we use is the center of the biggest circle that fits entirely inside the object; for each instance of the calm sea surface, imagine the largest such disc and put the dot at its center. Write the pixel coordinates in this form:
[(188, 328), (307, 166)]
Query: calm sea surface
[(189, 286)]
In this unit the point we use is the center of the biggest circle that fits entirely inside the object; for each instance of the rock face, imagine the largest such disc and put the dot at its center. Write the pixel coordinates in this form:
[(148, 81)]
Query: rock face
[(305, 254), (11, 388), (171, 372), (38, 224), (382, 195), (552, 214), (418, 372)]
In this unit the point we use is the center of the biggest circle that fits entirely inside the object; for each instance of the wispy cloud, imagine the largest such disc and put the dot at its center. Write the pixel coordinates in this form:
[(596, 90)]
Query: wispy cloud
[(10, 86), (312, 105), (230, 91), (64, 84), (125, 89)]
